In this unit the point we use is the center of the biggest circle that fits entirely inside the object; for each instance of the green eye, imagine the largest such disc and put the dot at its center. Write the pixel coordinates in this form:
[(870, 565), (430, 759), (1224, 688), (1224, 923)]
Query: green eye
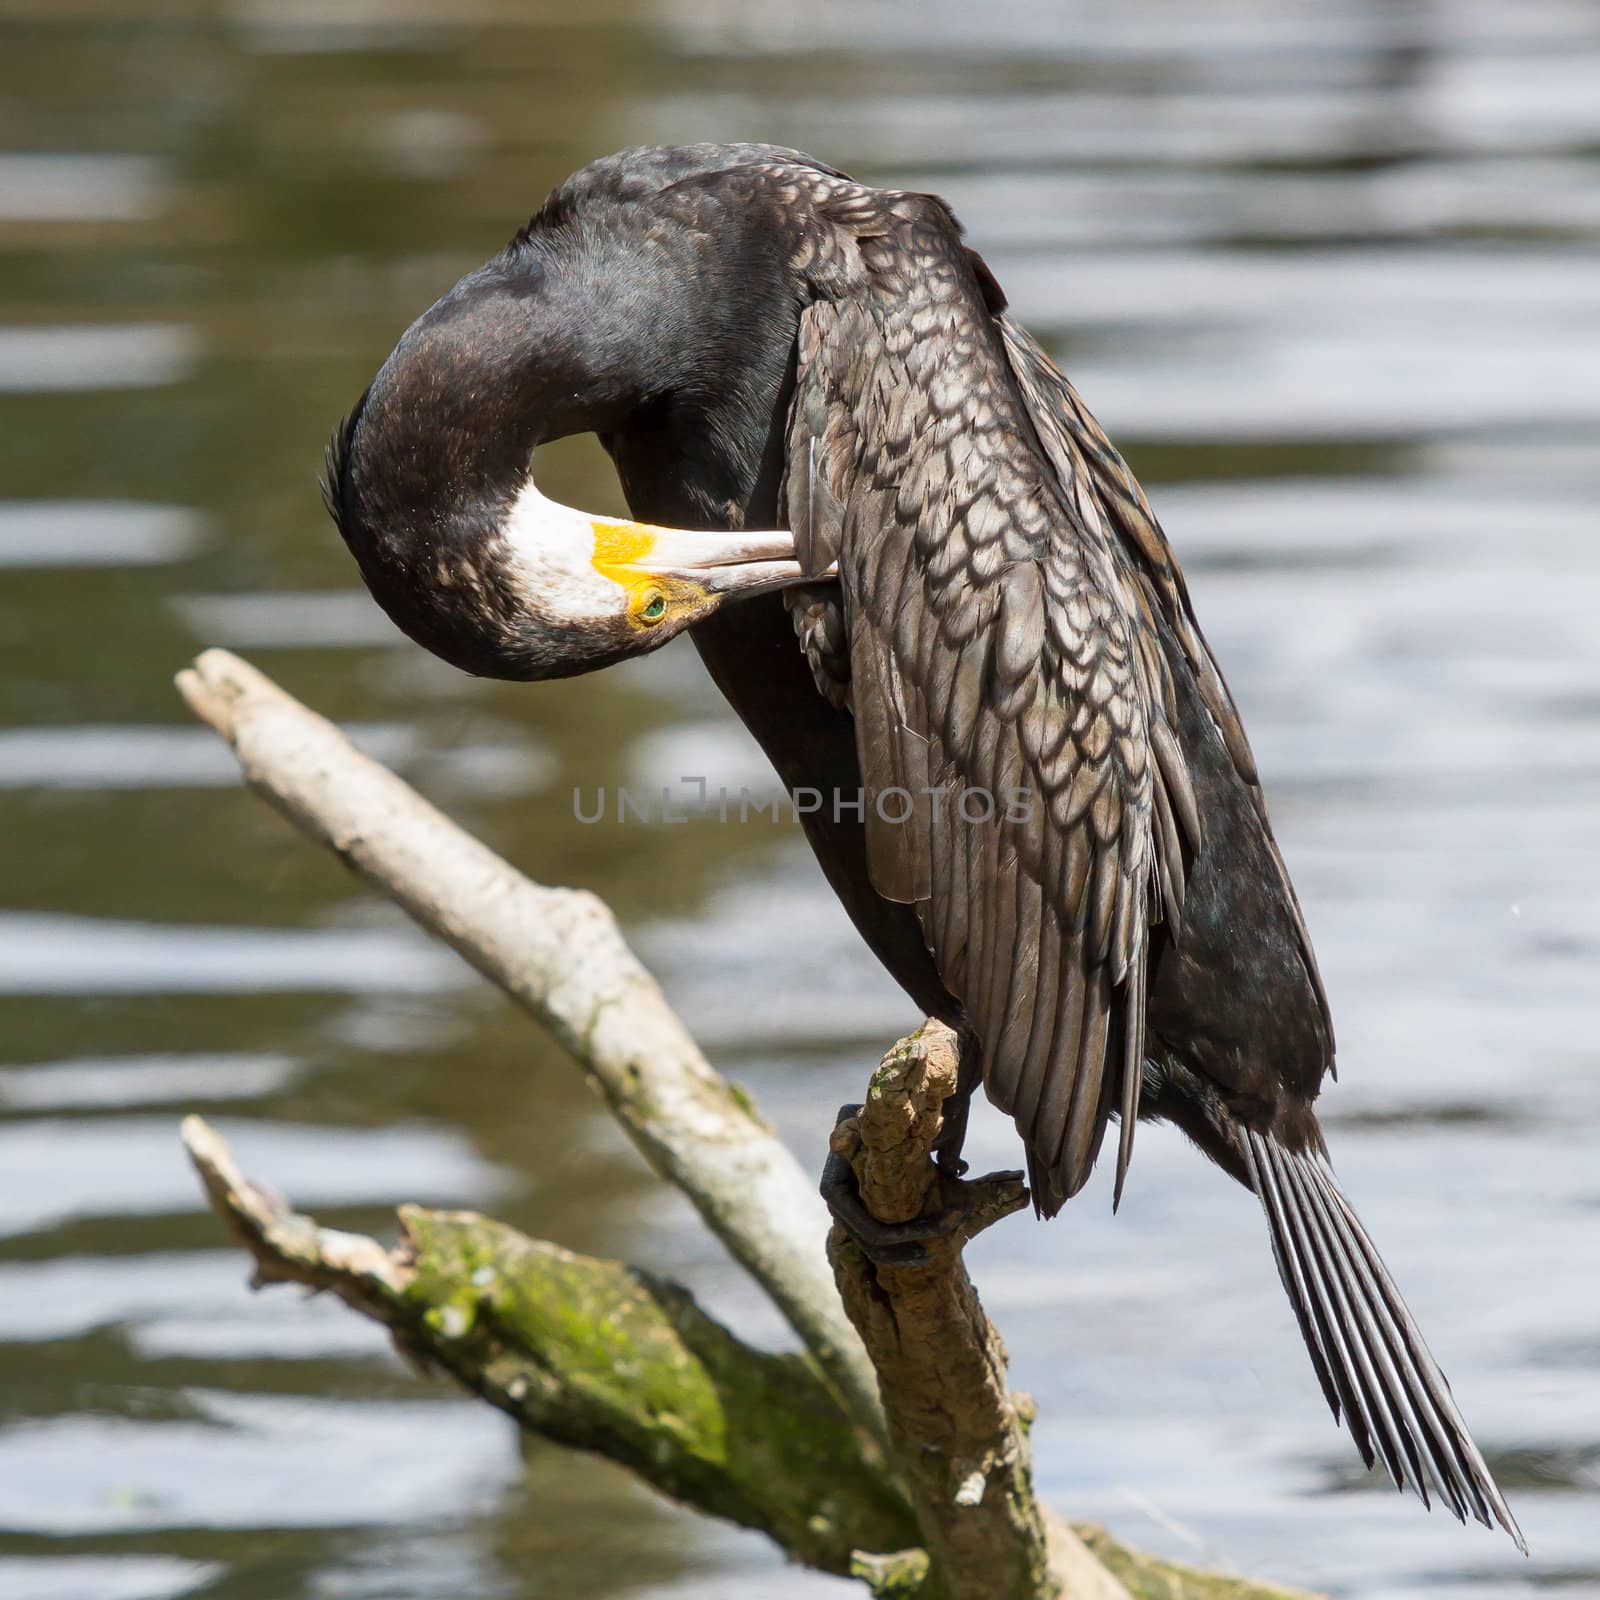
[(654, 609)]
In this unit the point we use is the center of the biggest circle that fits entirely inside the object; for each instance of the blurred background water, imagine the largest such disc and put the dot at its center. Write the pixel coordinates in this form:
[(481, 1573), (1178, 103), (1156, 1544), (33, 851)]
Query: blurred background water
[(1330, 276)]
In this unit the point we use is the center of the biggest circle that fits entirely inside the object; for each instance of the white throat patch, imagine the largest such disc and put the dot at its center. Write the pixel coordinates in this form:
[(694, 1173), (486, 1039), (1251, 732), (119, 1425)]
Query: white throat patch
[(550, 556)]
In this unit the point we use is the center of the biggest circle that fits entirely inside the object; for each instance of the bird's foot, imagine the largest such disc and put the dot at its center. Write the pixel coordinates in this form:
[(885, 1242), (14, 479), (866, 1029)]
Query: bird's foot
[(965, 1206)]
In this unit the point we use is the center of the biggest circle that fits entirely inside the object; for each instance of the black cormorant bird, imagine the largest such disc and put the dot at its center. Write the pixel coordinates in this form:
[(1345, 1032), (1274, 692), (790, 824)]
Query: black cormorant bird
[(1064, 853)]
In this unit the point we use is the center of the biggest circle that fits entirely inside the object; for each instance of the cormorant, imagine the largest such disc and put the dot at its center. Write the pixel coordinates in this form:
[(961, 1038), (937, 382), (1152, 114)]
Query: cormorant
[(985, 606)]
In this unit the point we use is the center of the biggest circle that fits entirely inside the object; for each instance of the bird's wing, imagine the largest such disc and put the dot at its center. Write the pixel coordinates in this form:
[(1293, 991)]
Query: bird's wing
[(1024, 791), (1088, 464)]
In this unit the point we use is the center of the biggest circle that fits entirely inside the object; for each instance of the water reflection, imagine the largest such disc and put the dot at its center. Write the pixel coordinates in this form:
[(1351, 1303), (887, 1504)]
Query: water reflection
[(105, 1577), (69, 533), (1330, 276), (45, 360), (77, 955), (123, 1081)]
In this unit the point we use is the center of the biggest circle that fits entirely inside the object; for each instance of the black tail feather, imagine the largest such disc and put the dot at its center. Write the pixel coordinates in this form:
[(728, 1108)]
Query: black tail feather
[(1369, 1355)]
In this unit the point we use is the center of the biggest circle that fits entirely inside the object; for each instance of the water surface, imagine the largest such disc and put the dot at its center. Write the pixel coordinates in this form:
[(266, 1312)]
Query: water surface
[(1330, 275)]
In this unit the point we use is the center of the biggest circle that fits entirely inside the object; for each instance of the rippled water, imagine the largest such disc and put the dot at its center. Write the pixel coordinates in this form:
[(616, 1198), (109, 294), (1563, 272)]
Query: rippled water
[(1331, 277)]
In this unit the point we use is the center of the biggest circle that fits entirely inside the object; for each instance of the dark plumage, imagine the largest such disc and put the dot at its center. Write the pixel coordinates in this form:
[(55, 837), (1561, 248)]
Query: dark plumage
[(762, 343)]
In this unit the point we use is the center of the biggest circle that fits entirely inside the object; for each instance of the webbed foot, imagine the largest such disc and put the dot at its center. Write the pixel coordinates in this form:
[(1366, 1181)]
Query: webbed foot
[(969, 1205)]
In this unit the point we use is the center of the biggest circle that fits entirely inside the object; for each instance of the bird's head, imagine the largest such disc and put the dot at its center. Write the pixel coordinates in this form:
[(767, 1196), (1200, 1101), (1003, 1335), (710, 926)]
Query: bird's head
[(653, 301)]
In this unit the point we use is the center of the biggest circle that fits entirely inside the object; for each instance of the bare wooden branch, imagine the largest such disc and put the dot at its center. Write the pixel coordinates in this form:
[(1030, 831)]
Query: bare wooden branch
[(598, 1356), (955, 1428), (594, 1355), (603, 1357), (559, 955)]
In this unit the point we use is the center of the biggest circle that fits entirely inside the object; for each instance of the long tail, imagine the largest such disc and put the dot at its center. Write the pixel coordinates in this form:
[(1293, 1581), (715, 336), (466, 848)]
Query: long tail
[(1368, 1352)]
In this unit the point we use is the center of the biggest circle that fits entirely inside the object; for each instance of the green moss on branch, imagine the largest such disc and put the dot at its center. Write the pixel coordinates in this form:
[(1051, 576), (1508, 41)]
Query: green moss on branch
[(595, 1355), (1148, 1577), (605, 1357)]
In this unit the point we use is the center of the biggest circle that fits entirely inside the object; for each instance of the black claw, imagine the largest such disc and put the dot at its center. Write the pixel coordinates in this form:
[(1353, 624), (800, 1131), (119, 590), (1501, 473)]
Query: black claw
[(890, 1244), (898, 1244), (893, 1244), (953, 1133)]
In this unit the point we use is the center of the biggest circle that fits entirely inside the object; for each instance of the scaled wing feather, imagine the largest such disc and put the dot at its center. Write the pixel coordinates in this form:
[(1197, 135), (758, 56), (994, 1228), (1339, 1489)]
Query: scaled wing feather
[(1002, 692)]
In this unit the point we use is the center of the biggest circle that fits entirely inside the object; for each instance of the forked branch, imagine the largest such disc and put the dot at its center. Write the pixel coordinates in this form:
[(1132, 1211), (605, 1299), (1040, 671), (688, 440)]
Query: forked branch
[(603, 1357)]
